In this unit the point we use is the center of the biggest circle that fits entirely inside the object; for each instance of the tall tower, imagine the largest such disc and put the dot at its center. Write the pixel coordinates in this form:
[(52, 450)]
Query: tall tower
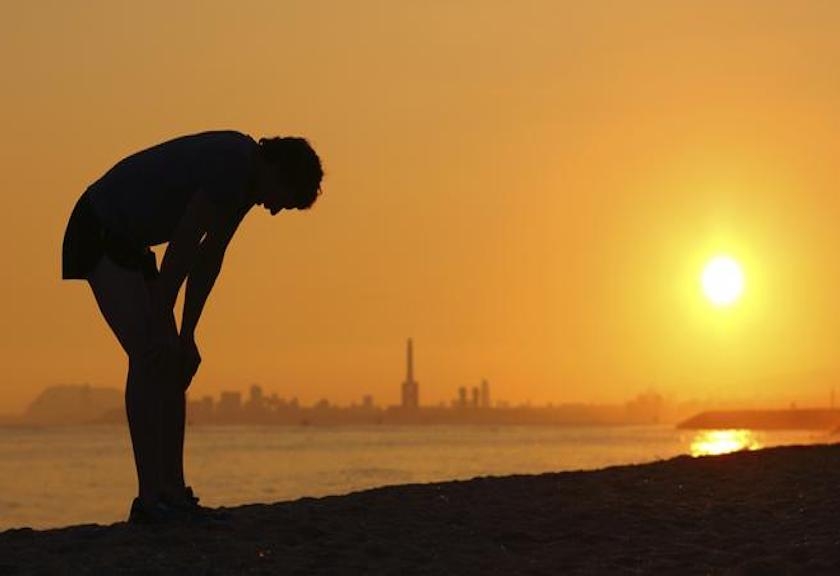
[(410, 389), (485, 394)]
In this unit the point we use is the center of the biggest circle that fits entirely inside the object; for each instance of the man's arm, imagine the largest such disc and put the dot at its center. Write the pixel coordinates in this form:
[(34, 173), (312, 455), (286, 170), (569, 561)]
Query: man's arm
[(189, 249), (182, 250), (206, 267), (195, 250)]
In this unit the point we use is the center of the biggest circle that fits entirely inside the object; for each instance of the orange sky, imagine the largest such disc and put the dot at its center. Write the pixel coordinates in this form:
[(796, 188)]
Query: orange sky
[(528, 189)]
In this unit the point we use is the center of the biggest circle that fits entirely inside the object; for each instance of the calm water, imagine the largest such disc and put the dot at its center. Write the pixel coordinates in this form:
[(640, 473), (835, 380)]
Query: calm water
[(59, 476)]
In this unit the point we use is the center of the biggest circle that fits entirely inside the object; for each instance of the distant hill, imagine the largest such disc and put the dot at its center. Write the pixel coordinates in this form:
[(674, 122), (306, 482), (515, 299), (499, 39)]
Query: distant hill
[(73, 404)]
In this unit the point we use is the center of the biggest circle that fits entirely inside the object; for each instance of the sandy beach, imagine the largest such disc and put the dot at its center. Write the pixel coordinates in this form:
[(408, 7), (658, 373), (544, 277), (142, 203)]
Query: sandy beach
[(773, 511)]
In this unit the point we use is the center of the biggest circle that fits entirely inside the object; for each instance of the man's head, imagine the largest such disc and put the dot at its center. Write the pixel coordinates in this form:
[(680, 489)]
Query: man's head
[(289, 175)]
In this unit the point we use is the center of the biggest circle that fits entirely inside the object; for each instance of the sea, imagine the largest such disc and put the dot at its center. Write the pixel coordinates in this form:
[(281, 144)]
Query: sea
[(54, 477)]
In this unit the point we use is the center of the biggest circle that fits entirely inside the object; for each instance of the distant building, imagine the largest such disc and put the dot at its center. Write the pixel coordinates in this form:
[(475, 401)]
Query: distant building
[(200, 410), (475, 397), (256, 395), (645, 408), (485, 394), (410, 388), (230, 404), (256, 409), (462, 397)]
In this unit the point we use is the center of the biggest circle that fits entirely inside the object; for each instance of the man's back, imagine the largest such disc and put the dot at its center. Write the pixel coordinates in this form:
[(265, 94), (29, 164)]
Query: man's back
[(144, 196)]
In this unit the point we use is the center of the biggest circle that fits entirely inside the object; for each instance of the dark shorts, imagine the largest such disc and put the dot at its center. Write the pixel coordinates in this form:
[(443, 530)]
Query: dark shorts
[(86, 241)]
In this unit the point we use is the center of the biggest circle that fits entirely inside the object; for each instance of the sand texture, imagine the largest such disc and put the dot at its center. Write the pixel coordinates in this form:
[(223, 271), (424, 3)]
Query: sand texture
[(774, 511)]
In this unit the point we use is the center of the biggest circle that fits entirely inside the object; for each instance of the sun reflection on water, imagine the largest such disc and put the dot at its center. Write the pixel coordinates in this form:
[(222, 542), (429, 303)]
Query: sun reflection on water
[(713, 442)]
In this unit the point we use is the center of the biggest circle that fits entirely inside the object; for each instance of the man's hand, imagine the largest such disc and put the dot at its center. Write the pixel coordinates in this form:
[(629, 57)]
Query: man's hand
[(190, 359)]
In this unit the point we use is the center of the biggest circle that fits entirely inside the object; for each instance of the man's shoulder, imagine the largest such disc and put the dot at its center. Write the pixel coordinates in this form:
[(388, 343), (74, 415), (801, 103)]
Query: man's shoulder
[(215, 137), (186, 149)]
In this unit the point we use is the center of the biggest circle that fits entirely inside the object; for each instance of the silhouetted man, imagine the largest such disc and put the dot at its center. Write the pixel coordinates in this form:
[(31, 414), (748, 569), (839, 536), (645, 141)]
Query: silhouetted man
[(191, 192)]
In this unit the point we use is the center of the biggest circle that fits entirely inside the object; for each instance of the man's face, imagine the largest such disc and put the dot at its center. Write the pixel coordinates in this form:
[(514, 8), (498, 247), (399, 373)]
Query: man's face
[(275, 195), (276, 199)]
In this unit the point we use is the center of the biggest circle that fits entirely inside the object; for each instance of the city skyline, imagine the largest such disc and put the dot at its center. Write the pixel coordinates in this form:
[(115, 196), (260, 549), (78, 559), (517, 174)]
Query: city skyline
[(407, 396), (87, 405)]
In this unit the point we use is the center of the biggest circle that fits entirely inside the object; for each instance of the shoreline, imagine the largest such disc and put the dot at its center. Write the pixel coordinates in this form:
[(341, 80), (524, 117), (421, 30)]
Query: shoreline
[(774, 510)]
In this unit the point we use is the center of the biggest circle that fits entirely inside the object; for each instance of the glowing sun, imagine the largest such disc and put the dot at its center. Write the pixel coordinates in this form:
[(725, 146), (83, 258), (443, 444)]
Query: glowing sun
[(722, 280)]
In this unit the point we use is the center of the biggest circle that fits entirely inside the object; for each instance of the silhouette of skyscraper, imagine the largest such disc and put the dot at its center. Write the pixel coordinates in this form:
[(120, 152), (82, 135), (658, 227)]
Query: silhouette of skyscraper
[(462, 397), (485, 394), (410, 388)]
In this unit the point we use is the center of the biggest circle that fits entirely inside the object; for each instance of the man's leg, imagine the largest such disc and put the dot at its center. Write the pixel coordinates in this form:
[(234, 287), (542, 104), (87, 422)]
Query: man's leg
[(123, 298), (142, 405), (174, 444), (173, 417)]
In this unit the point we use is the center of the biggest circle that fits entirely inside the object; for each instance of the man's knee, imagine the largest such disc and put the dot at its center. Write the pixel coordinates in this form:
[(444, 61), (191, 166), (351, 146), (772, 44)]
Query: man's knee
[(159, 364)]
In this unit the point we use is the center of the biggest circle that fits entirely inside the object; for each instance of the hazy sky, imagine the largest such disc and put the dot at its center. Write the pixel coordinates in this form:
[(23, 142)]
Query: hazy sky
[(529, 189)]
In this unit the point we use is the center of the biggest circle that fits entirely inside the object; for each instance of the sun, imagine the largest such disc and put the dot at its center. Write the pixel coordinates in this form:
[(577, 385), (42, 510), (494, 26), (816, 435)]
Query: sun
[(723, 281)]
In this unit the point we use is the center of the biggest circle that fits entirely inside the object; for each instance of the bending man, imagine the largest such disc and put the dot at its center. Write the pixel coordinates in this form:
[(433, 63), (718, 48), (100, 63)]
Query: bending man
[(191, 192)]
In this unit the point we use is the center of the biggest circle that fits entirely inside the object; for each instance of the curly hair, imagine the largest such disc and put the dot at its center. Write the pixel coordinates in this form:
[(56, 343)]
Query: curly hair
[(297, 165)]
